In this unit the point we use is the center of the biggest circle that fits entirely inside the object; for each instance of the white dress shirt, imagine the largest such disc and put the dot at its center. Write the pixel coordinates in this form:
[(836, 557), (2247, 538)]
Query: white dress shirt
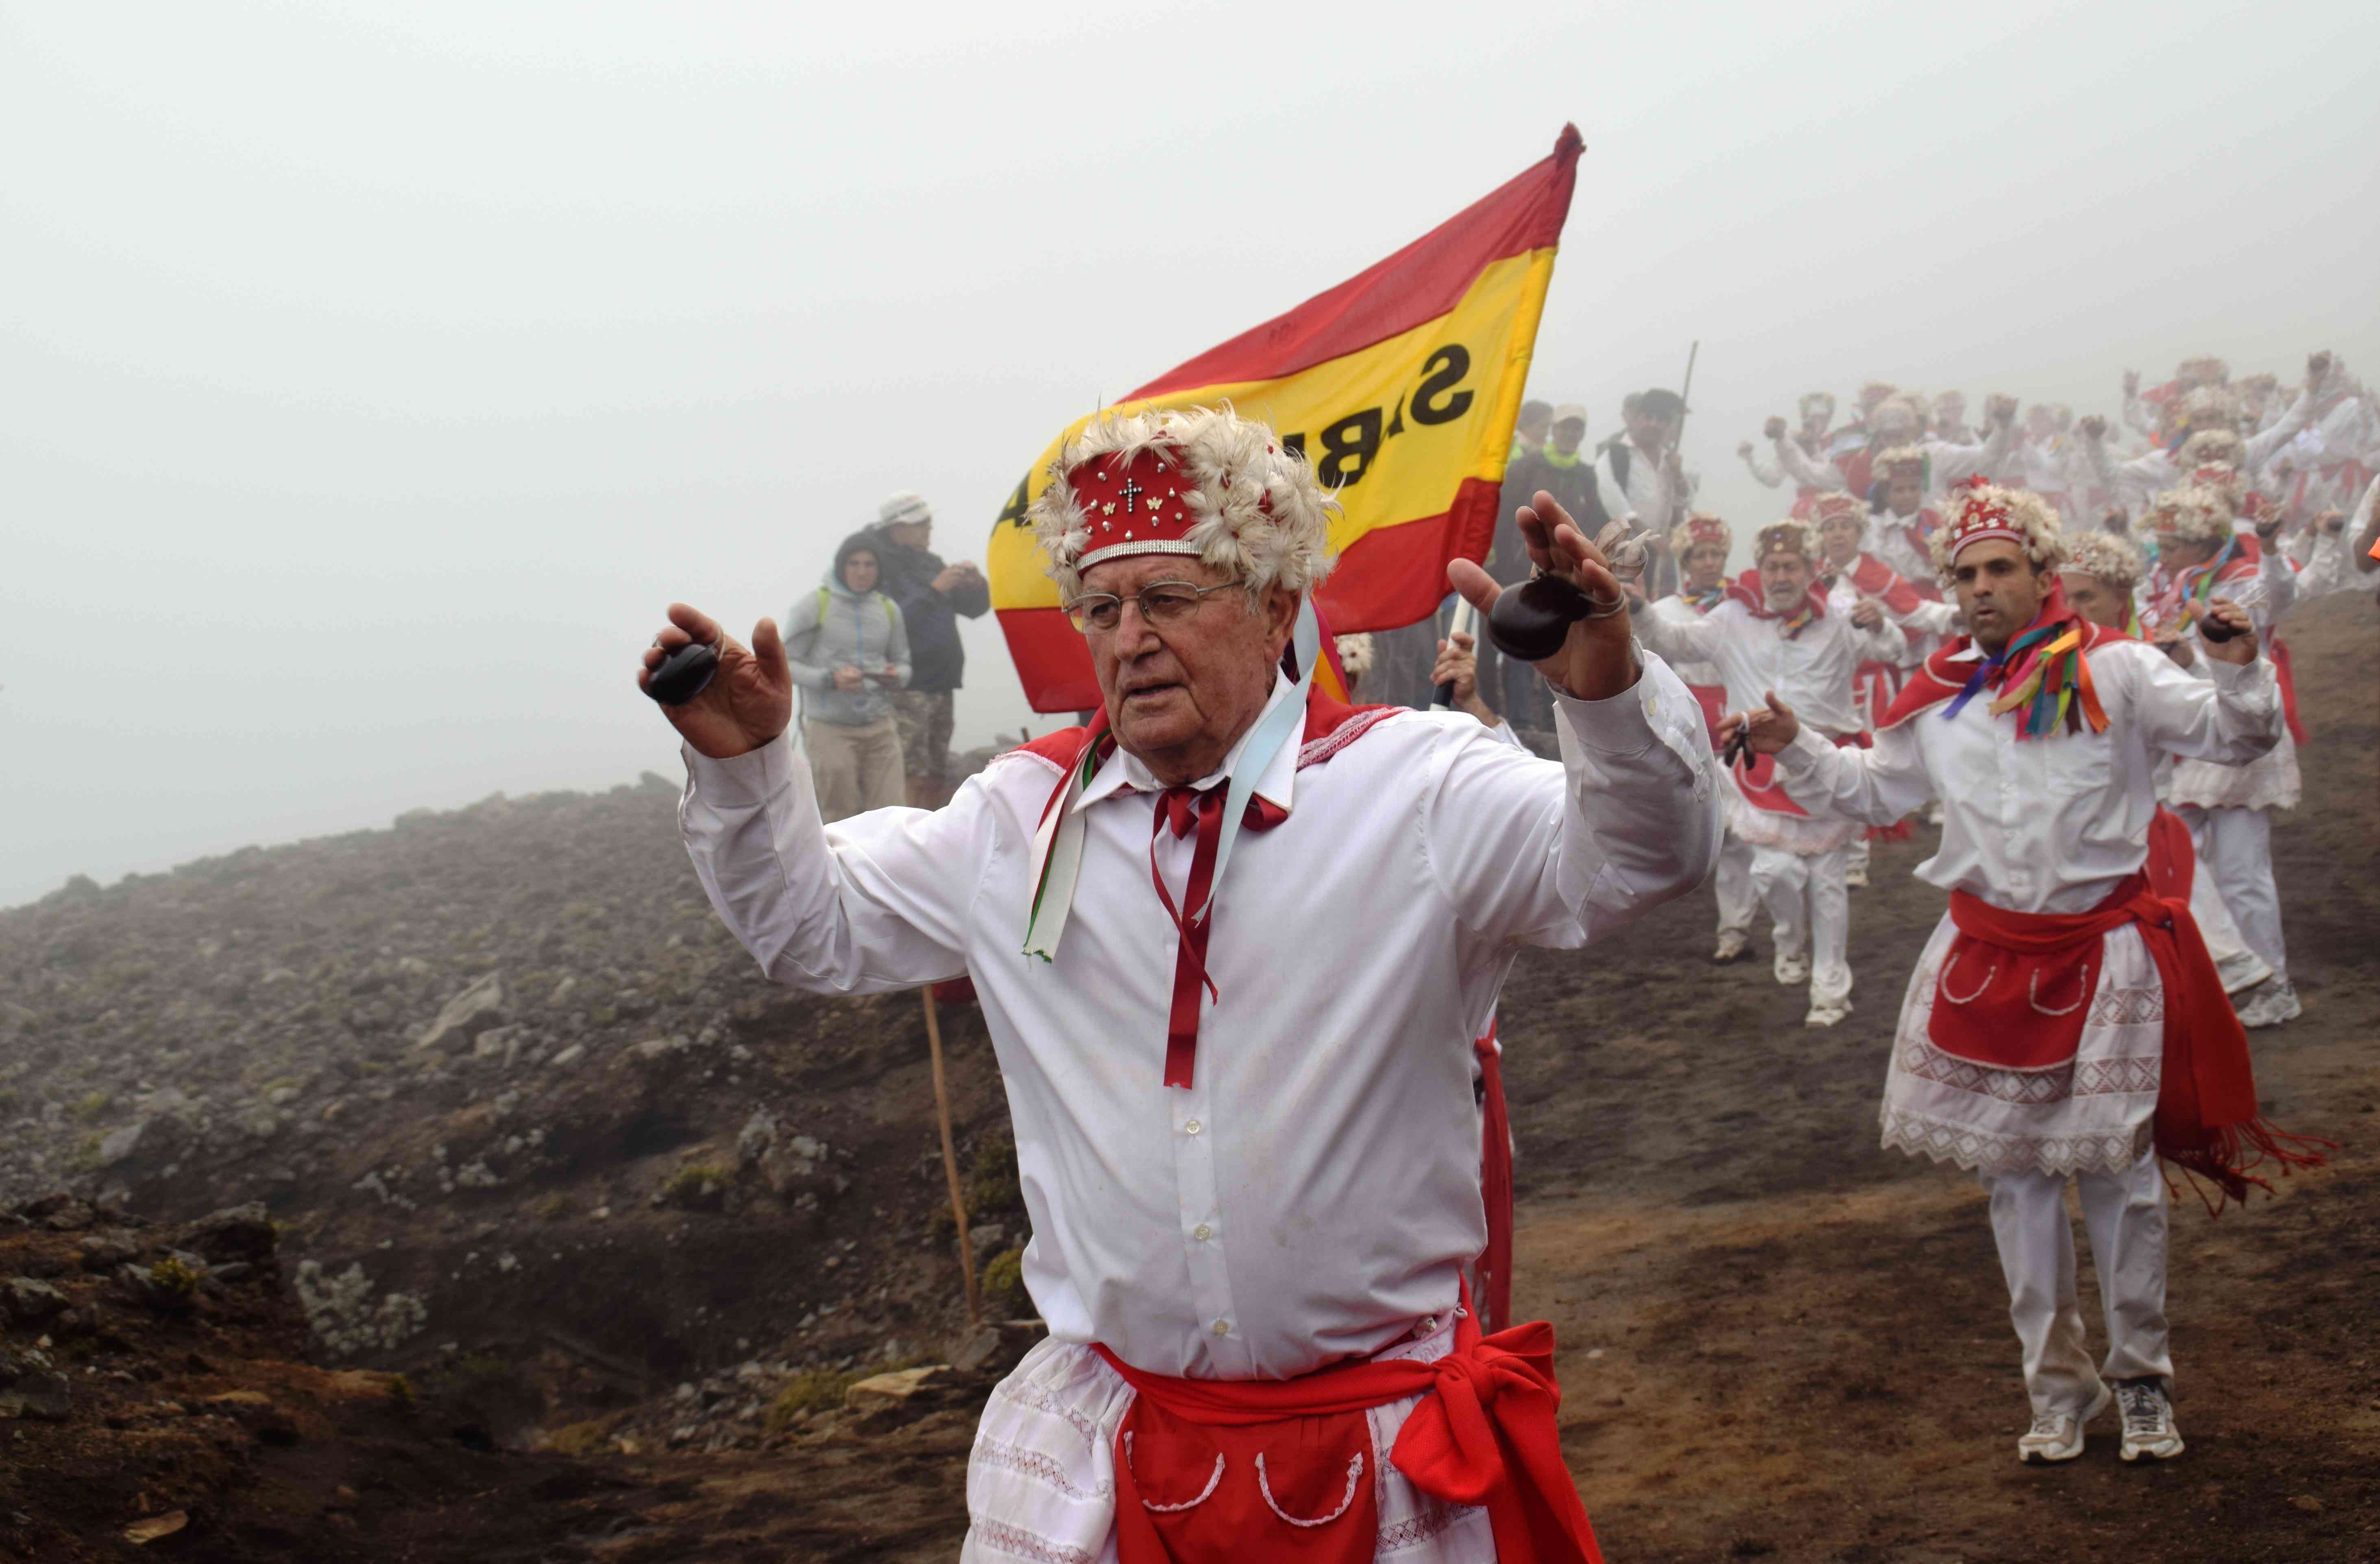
[(1675, 609), (2052, 824), (1811, 671), (1651, 498), (1316, 1188)]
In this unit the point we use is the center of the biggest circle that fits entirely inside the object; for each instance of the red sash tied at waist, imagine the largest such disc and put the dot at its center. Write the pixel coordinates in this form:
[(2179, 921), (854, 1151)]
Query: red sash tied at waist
[(1756, 777), (2034, 976), (1484, 1434)]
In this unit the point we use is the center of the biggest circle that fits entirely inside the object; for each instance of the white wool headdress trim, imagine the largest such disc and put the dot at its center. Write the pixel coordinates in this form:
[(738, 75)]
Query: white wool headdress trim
[(2112, 559), (1898, 456), (2023, 513), (2192, 514), (1792, 535), (2205, 445), (1262, 518), (1683, 540)]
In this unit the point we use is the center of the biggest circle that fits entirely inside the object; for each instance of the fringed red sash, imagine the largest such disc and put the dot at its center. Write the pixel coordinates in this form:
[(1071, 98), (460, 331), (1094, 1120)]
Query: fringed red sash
[(1190, 1486), (2029, 1015)]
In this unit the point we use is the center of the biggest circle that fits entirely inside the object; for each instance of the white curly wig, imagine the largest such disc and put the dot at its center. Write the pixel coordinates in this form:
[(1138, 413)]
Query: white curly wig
[(2223, 479), (1257, 513), (2216, 444), (2112, 559), (2192, 514), (1792, 535), (2207, 406), (1972, 510)]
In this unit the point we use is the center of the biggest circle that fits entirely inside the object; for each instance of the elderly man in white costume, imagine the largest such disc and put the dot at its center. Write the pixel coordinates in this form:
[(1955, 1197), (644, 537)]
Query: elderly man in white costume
[(1774, 632), (2060, 992), (1233, 943)]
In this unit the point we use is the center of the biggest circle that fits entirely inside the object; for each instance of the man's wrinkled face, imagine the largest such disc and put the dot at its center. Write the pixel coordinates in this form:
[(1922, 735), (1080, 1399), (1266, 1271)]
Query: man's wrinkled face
[(1705, 565), (1903, 491), (1188, 688), (2182, 553), (911, 534), (2000, 590), (1567, 434), (1784, 580), (2094, 598), (1840, 534)]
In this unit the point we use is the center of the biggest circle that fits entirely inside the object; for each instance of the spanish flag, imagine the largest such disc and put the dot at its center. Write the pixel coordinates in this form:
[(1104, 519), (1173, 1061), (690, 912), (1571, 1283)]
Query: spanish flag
[(1401, 385)]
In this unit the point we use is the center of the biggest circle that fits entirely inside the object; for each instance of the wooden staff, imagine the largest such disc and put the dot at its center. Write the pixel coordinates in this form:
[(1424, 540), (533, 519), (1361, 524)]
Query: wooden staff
[(950, 1155)]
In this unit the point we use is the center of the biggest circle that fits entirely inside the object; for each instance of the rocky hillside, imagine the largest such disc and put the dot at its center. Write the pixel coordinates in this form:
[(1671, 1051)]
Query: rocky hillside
[(511, 1094)]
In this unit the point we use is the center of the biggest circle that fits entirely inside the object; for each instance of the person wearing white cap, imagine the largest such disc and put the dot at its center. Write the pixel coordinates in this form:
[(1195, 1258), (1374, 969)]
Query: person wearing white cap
[(933, 598)]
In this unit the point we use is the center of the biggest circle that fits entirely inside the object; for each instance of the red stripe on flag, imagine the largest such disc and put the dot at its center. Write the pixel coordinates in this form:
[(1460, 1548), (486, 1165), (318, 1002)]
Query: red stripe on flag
[(1419, 283), (1396, 575)]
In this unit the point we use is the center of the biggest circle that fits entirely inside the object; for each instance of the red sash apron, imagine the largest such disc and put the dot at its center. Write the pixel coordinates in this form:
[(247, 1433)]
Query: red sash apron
[(2015, 990), (1756, 777), (1242, 1470), (1495, 1267)]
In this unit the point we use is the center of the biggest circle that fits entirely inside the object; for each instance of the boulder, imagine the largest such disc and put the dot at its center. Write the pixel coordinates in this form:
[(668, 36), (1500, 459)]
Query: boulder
[(892, 1390), (117, 1145), (28, 1302), (44, 1397), (235, 1232), (452, 1028)]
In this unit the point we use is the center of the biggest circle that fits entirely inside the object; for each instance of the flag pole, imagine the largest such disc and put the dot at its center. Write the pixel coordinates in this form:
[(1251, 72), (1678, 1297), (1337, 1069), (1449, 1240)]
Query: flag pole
[(1442, 698), (951, 1156)]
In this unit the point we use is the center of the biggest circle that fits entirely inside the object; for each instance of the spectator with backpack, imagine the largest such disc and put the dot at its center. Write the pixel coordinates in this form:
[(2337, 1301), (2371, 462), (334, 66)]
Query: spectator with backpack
[(849, 651)]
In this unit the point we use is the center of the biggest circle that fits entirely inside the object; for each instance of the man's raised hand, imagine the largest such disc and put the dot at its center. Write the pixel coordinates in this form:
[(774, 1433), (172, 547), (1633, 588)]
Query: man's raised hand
[(1766, 731), (749, 700), (2241, 650), (1597, 658)]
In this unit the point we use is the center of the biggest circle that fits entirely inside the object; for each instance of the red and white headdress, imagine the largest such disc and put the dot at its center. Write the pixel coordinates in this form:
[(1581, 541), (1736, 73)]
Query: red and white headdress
[(1976, 511), (2222, 479), (2191, 514), (2207, 406), (1789, 536), (1817, 402), (1201, 482), (2112, 559), (1895, 460), (1699, 530)]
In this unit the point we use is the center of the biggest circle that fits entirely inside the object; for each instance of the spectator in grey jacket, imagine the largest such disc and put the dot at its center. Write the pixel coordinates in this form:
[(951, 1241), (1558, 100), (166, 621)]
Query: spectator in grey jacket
[(849, 651)]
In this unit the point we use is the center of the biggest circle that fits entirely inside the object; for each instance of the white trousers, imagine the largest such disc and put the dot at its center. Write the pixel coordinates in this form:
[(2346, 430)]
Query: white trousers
[(2236, 846), (1806, 900), (2125, 1216), (1734, 884), (1858, 850)]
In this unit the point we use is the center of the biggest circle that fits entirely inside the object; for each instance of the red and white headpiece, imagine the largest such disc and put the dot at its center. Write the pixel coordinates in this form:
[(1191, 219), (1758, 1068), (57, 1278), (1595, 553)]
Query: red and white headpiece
[(2191, 514), (2112, 559), (2221, 444), (1700, 530), (1976, 512), (1790, 536), (1201, 482), (1817, 402), (1836, 505), (2222, 479)]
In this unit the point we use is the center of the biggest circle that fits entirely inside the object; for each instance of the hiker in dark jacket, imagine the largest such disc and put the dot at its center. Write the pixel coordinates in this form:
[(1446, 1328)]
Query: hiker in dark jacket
[(849, 651), (932, 596), (1563, 470)]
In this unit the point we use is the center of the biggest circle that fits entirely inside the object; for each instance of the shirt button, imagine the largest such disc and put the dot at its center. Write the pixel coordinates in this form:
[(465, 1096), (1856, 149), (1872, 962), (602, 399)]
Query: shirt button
[(1202, 1232), (1222, 1327), (1192, 1128)]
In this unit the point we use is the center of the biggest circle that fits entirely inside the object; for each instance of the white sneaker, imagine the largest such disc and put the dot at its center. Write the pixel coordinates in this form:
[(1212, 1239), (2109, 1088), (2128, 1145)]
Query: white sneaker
[(1791, 971), (2058, 1436), (2149, 1433), (2268, 1004), (1826, 1012), (1733, 944), (1856, 877)]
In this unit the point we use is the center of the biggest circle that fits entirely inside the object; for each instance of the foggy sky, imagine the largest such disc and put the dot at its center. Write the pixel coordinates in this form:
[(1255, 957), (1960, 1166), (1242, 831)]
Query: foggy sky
[(371, 377)]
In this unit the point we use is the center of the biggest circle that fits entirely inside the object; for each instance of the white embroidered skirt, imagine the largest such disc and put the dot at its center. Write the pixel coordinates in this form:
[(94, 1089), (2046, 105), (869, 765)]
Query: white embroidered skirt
[(2094, 1113), (2269, 782), (1042, 1478), (1808, 835)]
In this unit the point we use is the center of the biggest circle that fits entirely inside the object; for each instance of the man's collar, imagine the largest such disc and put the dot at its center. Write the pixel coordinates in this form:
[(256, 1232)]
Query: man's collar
[(1274, 786)]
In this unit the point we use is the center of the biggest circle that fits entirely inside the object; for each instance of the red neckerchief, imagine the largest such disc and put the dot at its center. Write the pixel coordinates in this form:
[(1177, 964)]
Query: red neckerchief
[(1745, 589)]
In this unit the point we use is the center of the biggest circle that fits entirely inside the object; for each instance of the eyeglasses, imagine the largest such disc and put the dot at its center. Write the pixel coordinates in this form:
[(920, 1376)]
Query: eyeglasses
[(1161, 602)]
